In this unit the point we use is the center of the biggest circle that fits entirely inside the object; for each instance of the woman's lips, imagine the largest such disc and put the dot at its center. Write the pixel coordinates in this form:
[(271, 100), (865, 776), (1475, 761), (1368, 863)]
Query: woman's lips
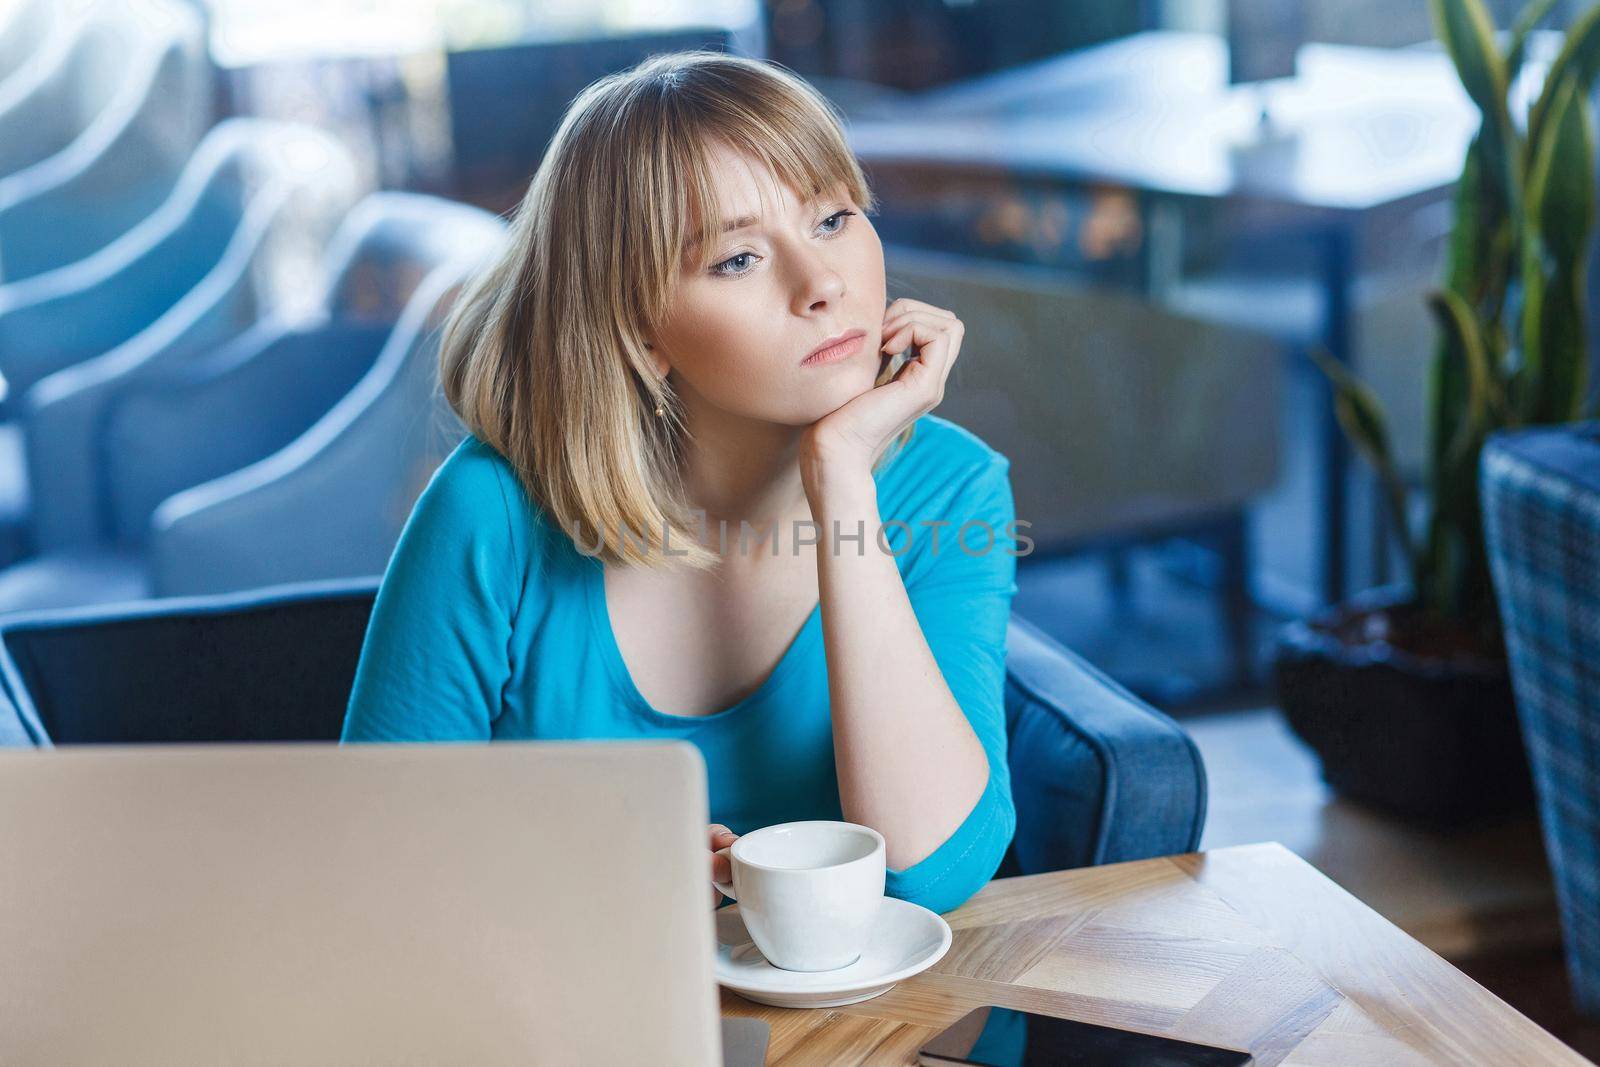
[(837, 351)]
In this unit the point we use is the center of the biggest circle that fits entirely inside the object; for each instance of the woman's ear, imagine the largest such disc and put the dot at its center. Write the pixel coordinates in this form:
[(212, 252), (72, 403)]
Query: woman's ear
[(662, 366)]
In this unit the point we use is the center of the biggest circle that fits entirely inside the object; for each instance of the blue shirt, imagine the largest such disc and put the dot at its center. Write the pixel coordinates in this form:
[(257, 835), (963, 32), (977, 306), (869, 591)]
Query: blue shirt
[(491, 623)]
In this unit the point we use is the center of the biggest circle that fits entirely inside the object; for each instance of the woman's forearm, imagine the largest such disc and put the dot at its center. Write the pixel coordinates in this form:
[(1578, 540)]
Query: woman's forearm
[(908, 761)]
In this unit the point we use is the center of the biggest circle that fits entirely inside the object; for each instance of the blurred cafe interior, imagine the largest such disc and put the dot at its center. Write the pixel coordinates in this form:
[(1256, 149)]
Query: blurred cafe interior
[(1283, 313)]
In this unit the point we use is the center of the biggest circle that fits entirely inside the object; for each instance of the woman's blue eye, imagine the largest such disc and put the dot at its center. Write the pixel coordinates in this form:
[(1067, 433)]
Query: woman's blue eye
[(725, 271), (840, 215), (721, 268)]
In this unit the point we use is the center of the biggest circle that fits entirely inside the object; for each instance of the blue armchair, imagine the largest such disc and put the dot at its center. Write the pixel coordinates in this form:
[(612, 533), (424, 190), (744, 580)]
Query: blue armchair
[(36, 120), (88, 308), (330, 504), (159, 431), (256, 396), (185, 265), (297, 183), (141, 75), (25, 34), (1097, 775), (1541, 510)]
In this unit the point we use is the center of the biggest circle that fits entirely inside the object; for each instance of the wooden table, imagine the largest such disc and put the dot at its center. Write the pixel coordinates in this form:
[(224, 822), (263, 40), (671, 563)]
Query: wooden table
[(1247, 947)]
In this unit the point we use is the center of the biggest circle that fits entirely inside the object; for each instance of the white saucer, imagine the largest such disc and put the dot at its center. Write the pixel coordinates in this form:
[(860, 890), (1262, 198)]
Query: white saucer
[(907, 939)]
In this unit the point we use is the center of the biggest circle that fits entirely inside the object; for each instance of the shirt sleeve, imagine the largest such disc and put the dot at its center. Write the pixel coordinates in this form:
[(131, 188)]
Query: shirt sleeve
[(435, 660), (963, 603)]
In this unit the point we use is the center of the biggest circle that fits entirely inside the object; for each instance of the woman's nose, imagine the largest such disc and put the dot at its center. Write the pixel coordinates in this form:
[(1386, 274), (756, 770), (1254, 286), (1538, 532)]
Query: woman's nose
[(820, 286)]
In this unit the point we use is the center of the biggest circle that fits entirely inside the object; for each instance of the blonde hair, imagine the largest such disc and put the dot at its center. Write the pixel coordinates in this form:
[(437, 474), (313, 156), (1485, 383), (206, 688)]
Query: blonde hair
[(543, 357)]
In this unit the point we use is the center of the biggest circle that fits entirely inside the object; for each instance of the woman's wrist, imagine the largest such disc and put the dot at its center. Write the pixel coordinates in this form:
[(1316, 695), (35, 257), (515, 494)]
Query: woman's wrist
[(837, 479)]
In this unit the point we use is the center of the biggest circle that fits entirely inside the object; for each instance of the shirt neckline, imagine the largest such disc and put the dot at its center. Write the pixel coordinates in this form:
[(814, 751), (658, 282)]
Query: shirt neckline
[(611, 652)]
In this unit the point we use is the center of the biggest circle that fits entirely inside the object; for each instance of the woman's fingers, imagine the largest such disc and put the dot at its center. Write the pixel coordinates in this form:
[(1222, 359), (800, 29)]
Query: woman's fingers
[(939, 320), (721, 837), (907, 304), (938, 343)]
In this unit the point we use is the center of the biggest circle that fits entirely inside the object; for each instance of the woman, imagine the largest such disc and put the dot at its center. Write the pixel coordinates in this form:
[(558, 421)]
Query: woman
[(627, 543)]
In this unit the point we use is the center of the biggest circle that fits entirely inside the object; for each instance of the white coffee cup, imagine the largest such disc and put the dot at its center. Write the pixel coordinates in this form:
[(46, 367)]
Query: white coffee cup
[(808, 891)]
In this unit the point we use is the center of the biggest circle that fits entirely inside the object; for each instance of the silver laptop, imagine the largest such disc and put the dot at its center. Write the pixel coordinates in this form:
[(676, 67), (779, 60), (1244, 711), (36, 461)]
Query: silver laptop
[(513, 903)]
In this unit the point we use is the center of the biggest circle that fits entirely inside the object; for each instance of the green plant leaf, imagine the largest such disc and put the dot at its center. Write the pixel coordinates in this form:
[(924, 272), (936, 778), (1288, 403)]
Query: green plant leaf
[(1560, 199), (1560, 191), (1526, 23), (1579, 56), (1361, 416), (1466, 257), (1468, 36), (1464, 343)]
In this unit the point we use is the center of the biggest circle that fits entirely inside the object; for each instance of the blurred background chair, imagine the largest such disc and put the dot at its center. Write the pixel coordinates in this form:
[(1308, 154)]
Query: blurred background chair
[(1541, 503), (25, 34), (169, 429), (141, 92), (258, 394), (1124, 422), (87, 308), (330, 504), (1098, 776), (36, 120), (242, 235), (299, 199)]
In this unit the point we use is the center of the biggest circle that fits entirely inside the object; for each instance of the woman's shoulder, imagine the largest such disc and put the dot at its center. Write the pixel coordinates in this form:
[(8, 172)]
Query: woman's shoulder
[(478, 488), (947, 478), (942, 455), (474, 479)]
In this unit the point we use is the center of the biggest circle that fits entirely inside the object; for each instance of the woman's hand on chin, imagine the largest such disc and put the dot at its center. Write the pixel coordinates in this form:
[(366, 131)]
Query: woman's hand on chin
[(857, 433)]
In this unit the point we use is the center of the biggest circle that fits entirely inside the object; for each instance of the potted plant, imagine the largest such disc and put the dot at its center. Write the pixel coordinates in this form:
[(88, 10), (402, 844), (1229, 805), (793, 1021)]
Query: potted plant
[(1404, 693)]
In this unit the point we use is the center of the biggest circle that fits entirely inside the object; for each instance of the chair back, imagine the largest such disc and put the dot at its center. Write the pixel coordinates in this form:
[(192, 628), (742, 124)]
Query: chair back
[(245, 401), (281, 377), (296, 194), (389, 244), (127, 158), (260, 667), (1116, 415), (331, 504), (37, 118), (88, 308), (25, 34)]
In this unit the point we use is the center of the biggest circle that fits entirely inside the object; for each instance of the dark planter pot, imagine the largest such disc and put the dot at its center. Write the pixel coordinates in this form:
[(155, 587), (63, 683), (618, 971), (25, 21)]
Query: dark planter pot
[(1432, 740)]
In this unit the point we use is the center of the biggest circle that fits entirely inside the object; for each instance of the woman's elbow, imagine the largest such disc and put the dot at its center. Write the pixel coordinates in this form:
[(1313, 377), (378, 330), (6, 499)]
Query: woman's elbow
[(973, 870)]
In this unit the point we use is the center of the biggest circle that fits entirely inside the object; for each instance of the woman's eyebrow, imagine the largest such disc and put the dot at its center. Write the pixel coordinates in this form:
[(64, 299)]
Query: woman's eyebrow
[(744, 221), (740, 223)]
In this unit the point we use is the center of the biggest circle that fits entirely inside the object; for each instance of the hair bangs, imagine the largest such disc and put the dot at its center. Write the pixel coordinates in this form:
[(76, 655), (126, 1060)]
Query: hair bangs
[(797, 140)]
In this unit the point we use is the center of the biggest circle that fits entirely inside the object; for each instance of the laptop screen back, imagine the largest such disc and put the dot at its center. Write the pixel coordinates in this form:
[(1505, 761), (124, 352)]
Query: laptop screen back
[(523, 903)]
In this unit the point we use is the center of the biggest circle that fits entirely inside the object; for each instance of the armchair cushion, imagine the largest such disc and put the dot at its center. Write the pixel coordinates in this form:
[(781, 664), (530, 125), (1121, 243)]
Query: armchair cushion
[(1097, 775)]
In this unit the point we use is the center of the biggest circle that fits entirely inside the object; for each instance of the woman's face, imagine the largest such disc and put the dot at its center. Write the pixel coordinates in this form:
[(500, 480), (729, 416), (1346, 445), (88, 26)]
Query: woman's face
[(798, 275)]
